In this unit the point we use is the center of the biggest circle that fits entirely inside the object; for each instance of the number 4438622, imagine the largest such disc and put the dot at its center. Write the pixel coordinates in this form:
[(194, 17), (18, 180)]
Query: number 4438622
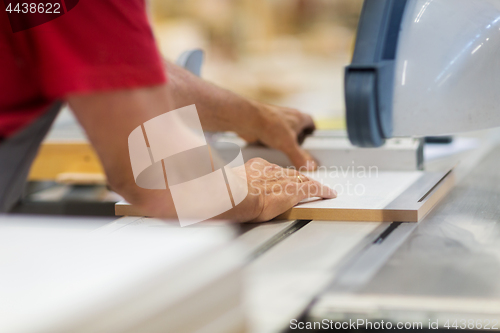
[(472, 324), (40, 8)]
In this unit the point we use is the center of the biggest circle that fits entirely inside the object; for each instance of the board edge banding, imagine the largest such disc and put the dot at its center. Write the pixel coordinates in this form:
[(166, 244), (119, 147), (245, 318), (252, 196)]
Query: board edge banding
[(444, 187), (408, 207), (353, 215), (123, 208)]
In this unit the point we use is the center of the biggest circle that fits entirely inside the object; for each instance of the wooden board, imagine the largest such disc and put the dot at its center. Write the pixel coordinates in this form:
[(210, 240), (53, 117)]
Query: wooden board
[(66, 155), (392, 196), (56, 159), (387, 197), (123, 208)]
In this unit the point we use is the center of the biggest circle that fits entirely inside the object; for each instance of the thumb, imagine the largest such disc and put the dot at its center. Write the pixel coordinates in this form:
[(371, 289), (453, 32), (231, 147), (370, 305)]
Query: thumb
[(301, 159)]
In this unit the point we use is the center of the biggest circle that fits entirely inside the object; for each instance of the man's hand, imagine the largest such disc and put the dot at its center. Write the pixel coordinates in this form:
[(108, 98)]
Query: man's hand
[(283, 129), (272, 190), (109, 117), (222, 110)]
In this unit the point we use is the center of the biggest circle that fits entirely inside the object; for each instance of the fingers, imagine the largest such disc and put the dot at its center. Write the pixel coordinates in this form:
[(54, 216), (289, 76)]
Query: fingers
[(308, 121), (306, 127), (313, 189), (279, 189), (306, 124), (309, 188), (289, 194), (295, 175), (300, 158), (285, 129), (301, 179), (298, 121)]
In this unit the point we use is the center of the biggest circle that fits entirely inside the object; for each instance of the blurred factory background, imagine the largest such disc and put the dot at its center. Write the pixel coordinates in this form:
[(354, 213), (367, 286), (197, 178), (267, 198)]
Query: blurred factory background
[(286, 52)]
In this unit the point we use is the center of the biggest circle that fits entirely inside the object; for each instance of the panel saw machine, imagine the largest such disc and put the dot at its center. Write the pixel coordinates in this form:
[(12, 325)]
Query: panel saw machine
[(427, 68), (423, 67), (413, 74)]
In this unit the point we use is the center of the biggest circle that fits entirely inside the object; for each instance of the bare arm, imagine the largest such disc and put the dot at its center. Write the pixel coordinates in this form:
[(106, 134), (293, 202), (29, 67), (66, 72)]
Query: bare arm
[(223, 110), (109, 118)]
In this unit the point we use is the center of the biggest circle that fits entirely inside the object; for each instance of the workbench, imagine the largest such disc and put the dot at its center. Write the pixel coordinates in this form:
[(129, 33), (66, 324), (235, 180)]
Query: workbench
[(445, 267)]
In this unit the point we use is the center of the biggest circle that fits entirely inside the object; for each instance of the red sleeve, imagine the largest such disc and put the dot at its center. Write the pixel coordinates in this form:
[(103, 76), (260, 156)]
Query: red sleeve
[(98, 45)]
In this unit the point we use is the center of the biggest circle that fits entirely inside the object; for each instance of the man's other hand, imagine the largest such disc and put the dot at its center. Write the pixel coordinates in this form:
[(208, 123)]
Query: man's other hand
[(283, 129)]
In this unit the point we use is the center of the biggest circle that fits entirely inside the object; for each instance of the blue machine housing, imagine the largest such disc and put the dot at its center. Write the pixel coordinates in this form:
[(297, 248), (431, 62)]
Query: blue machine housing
[(369, 80)]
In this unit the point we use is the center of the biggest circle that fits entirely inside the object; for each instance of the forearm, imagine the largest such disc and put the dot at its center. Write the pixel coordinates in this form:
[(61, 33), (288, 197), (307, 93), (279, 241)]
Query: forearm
[(108, 119), (219, 109)]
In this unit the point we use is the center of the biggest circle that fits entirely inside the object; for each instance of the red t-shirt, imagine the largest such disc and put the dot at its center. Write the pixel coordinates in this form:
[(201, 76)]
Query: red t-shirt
[(99, 45)]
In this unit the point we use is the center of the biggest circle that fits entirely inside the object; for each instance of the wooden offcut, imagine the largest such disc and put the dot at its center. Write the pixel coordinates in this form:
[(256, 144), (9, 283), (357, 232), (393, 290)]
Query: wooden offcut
[(57, 160)]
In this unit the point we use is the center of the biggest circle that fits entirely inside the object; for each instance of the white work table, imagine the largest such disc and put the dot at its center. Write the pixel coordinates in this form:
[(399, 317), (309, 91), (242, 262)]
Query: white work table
[(289, 263), (303, 269), (285, 264)]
